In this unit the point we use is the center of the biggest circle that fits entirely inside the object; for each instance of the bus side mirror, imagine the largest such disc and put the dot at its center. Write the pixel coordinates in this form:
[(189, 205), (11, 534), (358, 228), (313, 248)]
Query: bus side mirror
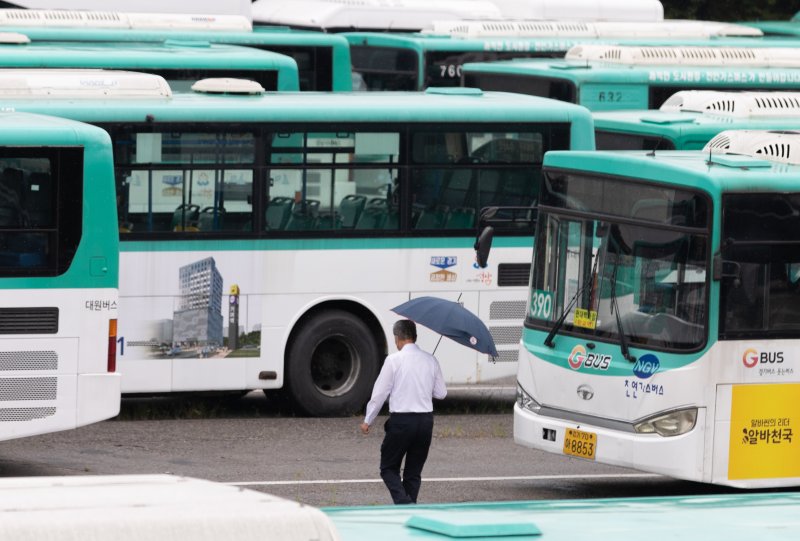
[(483, 244), (724, 269)]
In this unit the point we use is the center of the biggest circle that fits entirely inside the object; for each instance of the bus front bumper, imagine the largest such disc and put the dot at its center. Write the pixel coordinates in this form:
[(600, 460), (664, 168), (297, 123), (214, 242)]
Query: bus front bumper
[(678, 456)]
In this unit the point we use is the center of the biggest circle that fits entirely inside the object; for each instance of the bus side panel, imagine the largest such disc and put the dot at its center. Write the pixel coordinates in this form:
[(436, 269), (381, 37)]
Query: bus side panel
[(610, 97), (757, 418)]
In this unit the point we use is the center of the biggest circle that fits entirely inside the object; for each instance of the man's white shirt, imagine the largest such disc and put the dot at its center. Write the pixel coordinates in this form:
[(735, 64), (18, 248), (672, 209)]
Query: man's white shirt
[(410, 378)]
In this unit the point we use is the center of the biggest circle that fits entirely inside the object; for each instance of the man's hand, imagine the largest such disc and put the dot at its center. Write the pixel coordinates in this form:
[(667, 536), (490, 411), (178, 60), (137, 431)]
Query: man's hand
[(364, 428)]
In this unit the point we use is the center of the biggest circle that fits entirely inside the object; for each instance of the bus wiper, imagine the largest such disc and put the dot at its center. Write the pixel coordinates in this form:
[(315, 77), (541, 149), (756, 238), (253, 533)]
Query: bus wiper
[(623, 340), (548, 341)]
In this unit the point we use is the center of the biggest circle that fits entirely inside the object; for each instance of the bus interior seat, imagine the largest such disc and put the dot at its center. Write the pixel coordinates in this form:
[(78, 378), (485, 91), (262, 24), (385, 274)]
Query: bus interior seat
[(433, 218), (457, 189), (278, 212), (304, 216), (374, 214), (328, 221), (185, 217), (211, 219), (461, 218), (350, 209)]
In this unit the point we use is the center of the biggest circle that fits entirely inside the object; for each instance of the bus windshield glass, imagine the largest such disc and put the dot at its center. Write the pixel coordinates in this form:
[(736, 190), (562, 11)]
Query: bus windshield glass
[(609, 140), (617, 258), (760, 286)]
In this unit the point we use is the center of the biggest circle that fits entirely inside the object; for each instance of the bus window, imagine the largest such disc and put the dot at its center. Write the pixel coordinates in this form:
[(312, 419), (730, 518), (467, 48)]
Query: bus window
[(40, 210), (384, 68), (443, 68), (606, 140), (534, 86), (762, 294), (456, 174), (333, 181), (186, 181)]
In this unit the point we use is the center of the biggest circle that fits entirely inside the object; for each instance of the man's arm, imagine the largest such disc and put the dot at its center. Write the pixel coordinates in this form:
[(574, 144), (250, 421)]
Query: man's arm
[(380, 392), (439, 388)]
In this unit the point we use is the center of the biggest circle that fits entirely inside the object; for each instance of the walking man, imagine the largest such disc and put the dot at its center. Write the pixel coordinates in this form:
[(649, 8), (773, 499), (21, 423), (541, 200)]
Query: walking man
[(410, 378)]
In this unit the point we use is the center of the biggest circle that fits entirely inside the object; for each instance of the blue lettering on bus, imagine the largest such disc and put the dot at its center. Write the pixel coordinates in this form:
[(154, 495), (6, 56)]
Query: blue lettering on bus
[(646, 366)]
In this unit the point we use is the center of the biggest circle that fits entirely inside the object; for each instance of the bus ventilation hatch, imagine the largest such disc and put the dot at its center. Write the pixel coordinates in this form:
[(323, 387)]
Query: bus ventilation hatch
[(28, 320), (513, 274)]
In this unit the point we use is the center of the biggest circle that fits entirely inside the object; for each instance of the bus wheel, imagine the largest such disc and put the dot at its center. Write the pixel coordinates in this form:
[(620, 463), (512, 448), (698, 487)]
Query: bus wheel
[(333, 362)]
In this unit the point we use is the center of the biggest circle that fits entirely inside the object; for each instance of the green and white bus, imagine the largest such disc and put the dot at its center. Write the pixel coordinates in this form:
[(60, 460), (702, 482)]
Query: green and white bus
[(368, 15), (323, 60), (181, 63), (398, 61), (691, 118), (603, 85), (58, 273), (265, 238), (778, 28), (663, 311), (714, 517)]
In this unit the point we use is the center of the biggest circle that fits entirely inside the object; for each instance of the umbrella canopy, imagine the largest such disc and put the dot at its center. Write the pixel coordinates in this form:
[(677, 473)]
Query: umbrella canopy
[(449, 319)]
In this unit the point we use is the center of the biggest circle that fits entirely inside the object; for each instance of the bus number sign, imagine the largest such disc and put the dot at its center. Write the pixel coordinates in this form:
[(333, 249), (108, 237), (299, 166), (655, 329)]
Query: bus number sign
[(541, 304)]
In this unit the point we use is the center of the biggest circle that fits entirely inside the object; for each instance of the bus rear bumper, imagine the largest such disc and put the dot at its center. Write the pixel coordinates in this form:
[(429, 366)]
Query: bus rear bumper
[(678, 456), (98, 397)]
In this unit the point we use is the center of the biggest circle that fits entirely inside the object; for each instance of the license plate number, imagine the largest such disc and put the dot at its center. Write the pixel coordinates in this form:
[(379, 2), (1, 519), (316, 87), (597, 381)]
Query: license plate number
[(579, 443)]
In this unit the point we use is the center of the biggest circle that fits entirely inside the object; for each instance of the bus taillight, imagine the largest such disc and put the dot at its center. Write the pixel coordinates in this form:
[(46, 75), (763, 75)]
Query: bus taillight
[(112, 345)]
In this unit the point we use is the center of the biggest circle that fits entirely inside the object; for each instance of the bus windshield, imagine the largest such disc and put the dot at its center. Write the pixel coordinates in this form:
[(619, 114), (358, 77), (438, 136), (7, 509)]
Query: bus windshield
[(760, 286), (621, 262)]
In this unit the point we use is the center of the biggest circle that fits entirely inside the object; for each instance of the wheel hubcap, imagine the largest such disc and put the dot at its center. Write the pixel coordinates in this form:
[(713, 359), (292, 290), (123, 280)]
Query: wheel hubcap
[(335, 365)]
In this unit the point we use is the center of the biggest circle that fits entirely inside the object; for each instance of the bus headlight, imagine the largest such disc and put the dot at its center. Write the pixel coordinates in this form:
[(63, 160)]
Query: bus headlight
[(669, 424), (526, 401)]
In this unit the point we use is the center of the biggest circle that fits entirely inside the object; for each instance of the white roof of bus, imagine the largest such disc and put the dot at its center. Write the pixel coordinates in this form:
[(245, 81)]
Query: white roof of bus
[(735, 104), (51, 18), (775, 146), (163, 507), (369, 14), (583, 10), (591, 29), (81, 83), (635, 55)]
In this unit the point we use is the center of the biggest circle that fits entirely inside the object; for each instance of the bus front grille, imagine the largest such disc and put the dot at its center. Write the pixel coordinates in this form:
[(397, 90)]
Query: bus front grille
[(28, 320)]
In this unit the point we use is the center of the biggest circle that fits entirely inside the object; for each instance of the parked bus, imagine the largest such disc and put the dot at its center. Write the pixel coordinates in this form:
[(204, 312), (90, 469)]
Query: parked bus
[(181, 63), (582, 10), (778, 28), (716, 517), (312, 215), (691, 118), (378, 15), (398, 61), (663, 311), (605, 86), (323, 60), (58, 273)]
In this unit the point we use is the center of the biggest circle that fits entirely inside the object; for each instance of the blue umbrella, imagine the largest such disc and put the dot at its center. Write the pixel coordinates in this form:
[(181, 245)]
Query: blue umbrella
[(449, 319)]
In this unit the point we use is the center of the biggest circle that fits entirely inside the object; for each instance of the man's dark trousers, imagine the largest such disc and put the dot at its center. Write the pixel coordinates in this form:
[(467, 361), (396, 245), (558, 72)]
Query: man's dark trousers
[(407, 435)]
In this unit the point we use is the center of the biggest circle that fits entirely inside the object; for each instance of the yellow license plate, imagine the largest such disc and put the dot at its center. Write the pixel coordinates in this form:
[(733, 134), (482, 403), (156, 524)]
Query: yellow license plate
[(579, 443)]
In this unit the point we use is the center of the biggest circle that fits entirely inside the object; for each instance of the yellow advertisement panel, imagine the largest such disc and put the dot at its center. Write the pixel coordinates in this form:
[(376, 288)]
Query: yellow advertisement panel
[(764, 442)]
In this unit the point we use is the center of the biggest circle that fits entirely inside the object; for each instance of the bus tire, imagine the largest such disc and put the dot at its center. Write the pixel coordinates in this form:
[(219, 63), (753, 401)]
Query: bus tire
[(332, 365)]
